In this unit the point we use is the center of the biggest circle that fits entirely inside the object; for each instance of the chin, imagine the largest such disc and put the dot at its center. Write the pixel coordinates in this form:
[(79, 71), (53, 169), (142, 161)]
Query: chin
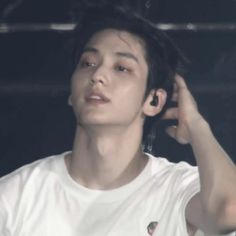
[(91, 122)]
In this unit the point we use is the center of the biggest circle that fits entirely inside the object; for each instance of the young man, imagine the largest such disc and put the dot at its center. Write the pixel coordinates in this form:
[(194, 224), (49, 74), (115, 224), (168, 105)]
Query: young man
[(107, 185)]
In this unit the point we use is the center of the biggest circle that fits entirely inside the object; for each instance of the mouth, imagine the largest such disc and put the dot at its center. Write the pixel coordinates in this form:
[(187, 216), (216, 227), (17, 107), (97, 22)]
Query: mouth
[(96, 98)]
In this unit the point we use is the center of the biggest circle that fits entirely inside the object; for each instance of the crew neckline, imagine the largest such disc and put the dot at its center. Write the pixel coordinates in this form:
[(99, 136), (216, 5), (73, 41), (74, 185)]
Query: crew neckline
[(115, 194)]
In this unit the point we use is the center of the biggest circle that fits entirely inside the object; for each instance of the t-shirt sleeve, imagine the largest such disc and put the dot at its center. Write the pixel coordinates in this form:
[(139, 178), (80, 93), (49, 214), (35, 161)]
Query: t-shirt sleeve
[(189, 185), (186, 185)]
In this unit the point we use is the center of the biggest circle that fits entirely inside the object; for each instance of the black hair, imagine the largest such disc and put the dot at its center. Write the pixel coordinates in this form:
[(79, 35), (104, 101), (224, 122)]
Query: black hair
[(163, 57)]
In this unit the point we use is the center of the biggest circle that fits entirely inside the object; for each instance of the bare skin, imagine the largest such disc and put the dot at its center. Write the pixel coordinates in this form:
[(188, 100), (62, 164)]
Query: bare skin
[(108, 87), (214, 209), (107, 151)]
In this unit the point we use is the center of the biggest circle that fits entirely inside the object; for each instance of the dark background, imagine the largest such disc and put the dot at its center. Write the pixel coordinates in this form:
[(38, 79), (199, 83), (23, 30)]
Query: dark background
[(35, 120)]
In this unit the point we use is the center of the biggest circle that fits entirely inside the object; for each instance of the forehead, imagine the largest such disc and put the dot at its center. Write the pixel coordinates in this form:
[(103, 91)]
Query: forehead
[(118, 40)]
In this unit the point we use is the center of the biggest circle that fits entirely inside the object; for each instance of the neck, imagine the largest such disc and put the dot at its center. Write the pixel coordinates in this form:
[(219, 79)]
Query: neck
[(106, 158)]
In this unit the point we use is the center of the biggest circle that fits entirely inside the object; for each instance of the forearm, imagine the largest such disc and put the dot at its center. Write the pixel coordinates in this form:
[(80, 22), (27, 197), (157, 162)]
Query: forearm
[(217, 173), (214, 208)]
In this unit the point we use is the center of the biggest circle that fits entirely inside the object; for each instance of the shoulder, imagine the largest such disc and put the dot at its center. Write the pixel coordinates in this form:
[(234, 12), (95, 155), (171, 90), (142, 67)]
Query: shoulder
[(181, 179), (29, 175), (173, 169)]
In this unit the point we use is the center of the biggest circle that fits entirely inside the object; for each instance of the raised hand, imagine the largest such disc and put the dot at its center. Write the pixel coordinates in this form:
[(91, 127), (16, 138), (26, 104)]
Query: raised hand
[(186, 112)]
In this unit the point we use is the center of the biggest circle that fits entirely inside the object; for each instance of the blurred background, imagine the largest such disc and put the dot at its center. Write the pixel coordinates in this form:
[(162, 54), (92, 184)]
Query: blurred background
[(35, 70)]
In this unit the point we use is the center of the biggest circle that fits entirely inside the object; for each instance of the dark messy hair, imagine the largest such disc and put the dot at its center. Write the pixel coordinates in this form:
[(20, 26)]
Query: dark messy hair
[(163, 57)]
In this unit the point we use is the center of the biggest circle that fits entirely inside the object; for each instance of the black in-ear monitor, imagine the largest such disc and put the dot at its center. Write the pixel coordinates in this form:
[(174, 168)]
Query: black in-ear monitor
[(154, 101)]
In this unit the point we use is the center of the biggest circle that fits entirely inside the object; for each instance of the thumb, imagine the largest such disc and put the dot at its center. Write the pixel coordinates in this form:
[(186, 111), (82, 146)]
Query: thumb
[(171, 131)]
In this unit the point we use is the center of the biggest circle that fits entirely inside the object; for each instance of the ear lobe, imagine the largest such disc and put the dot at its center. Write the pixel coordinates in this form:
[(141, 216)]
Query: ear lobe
[(154, 102)]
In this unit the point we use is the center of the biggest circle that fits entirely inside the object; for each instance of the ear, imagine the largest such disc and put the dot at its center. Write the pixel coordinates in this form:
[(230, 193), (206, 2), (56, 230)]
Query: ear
[(151, 110), (69, 101)]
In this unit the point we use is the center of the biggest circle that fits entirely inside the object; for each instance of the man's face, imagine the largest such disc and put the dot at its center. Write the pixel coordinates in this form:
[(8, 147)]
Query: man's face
[(109, 83)]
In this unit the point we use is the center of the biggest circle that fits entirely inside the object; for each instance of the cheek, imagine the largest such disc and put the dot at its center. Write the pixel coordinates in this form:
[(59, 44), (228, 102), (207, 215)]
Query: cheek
[(78, 81), (132, 94), (75, 79), (77, 86)]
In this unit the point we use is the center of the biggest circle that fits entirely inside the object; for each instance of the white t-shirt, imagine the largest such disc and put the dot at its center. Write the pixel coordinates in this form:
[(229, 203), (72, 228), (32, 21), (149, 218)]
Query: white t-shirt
[(42, 199)]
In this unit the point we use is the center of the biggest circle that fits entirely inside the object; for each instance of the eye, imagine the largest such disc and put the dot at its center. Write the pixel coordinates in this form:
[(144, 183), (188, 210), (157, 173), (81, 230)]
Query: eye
[(121, 68), (86, 63)]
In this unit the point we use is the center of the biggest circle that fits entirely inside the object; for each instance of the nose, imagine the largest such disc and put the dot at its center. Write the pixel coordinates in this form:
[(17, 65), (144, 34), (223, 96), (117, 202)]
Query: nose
[(99, 76)]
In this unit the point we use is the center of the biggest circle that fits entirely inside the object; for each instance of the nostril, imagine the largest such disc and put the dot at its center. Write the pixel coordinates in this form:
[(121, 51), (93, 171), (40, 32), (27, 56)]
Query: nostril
[(99, 74), (97, 79), (101, 81)]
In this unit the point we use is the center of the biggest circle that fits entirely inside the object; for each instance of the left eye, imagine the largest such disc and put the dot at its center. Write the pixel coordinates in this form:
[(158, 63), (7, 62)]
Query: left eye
[(89, 64), (122, 68)]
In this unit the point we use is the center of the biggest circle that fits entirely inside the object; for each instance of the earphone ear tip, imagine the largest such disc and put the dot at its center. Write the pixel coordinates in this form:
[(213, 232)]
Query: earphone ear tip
[(154, 101)]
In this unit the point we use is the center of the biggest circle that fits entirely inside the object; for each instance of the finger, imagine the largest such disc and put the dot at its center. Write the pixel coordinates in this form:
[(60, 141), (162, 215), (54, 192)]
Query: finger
[(171, 131), (171, 114), (175, 88), (175, 91), (184, 94), (180, 82), (174, 97)]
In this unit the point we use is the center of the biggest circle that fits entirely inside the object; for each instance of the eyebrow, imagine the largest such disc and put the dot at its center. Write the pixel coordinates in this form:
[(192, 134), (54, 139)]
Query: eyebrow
[(90, 49), (119, 54), (127, 55)]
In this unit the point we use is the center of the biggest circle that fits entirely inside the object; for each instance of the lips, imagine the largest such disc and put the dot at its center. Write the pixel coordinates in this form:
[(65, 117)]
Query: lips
[(96, 97)]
